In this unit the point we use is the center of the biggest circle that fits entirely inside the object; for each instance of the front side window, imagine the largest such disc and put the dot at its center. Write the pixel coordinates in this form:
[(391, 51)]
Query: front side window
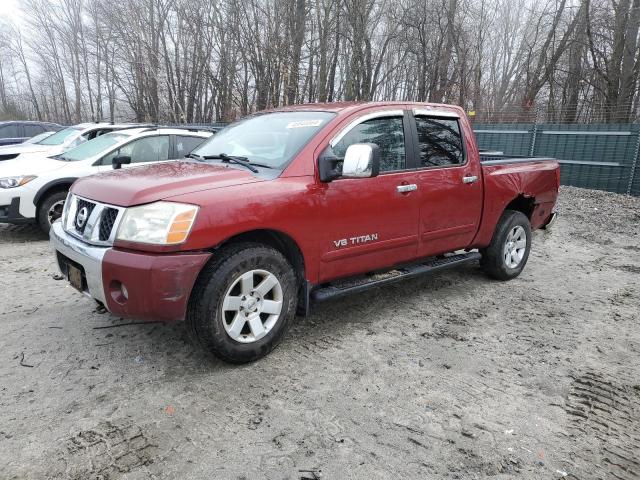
[(185, 144), (92, 147), (269, 139), (147, 149), (30, 130), (386, 132), (60, 136), (440, 142)]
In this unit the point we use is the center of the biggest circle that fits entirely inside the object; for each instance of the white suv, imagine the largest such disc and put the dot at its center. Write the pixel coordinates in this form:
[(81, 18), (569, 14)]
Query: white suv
[(60, 141), (35, 189)]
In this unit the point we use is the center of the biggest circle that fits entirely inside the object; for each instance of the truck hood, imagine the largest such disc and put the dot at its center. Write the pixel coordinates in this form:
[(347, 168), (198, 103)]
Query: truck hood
[(29, 164), (146, 184)]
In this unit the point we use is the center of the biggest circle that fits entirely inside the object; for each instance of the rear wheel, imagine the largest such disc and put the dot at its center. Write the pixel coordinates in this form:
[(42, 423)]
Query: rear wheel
[(243, 302), (50, 210), (508, 252)]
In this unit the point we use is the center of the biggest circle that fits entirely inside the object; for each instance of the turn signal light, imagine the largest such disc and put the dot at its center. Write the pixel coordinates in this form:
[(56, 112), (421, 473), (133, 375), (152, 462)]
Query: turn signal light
[(180, 227)]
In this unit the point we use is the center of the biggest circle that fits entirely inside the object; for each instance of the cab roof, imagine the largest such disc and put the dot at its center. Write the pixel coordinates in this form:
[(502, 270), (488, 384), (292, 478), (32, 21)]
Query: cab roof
[(193, 132), (347, 107)]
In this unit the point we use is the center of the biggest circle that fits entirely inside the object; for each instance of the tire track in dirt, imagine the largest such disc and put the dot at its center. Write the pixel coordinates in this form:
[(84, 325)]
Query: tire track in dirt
[(106, 451), (606, 409)]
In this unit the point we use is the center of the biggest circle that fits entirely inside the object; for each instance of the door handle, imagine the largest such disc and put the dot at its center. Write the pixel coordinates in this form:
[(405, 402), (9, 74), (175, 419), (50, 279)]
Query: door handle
[(406, 188), (470, 179)]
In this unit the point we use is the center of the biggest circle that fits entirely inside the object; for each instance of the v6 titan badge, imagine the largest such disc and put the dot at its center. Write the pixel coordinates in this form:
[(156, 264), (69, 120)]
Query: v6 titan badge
[(343, 242)]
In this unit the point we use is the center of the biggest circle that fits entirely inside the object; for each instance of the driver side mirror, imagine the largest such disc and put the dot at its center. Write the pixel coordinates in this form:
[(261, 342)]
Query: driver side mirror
[(120, 160), (361, 160)]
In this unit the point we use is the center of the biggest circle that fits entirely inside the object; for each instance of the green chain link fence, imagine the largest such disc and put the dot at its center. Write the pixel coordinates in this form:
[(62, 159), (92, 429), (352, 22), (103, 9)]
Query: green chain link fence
[(600, 156)]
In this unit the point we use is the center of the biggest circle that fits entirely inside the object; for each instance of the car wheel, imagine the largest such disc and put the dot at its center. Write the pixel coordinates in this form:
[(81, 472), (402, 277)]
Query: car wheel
[(243, 302), (50, 210), (508, 252)]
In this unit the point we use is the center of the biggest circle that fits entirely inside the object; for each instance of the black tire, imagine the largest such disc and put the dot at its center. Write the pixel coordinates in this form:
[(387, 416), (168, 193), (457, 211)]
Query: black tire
[(493, 260), (205, 316), (45, 205)]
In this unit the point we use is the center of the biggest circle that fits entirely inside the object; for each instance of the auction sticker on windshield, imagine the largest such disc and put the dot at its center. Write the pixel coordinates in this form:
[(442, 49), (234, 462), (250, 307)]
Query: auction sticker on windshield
[(304, 123)]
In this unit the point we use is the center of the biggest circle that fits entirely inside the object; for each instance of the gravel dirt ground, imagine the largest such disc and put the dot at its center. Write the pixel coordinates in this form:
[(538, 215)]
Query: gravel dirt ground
[(451, 376)]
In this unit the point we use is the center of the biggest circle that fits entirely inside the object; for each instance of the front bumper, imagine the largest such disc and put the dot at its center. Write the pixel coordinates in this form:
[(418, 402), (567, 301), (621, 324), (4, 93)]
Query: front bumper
[(11, 213), (156, 286)]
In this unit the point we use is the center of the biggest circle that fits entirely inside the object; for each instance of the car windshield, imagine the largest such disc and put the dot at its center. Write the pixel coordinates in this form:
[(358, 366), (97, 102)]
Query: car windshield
[(269, 139), (38, 138), (93, 147), (60, 137)]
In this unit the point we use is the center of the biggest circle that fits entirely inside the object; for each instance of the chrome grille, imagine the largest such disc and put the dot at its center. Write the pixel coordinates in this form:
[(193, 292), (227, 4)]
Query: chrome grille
[(107, 220), (93, 222)]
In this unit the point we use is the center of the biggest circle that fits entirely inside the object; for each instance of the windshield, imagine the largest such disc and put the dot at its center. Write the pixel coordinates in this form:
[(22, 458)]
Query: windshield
[(270, 139), (60, 137), (38, 138), (93, 147)]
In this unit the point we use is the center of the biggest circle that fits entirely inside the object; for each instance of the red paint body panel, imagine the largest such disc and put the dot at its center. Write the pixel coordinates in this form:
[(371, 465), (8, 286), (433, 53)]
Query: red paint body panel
[(158, 286), (442, 215), (503, 183), (149, 183)]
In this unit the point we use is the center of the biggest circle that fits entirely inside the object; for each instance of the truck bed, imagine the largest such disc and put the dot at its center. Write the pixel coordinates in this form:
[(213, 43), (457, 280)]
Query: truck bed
[(490, 158), (531, 182)]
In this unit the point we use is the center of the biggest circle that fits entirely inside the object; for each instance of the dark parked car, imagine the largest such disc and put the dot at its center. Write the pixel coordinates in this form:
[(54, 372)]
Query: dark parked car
[(18, 132)]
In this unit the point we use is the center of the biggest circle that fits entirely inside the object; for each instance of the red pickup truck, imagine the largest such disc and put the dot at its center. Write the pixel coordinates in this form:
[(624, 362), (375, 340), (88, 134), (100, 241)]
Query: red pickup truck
[(299, 205)]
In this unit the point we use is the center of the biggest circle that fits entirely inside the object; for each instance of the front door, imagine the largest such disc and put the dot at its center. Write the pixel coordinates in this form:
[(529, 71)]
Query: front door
[(370, 223), (449, 185)]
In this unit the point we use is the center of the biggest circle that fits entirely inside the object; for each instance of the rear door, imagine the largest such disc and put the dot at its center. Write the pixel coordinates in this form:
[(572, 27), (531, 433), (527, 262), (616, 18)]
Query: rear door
[(368, 223), (449, 184)]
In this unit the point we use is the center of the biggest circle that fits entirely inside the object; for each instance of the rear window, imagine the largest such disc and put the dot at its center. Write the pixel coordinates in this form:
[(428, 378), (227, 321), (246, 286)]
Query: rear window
[(9, 131), (440, 142), (60, 137)]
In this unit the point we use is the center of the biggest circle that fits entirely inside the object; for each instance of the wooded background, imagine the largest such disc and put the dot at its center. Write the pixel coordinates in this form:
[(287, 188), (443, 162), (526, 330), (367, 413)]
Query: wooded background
[(217, 60)]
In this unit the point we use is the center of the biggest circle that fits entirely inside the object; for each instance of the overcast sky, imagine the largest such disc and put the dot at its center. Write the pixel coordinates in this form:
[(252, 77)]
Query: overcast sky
[(10, 10)]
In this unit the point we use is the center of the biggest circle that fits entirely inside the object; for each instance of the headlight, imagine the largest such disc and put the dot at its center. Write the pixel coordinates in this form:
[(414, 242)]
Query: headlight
[(160, 223), (13, 182)]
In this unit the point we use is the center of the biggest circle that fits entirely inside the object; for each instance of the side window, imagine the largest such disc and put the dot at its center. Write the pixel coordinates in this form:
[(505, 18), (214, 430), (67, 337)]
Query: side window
[(147, 149), (185, 144), (387, 133), (440, 142), (9, 131), (32, 130)]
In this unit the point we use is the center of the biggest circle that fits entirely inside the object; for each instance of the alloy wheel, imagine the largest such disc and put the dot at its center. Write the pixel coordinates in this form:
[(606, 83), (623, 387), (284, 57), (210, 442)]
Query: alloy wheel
[(515, 247), (55, 211), (252, 306)]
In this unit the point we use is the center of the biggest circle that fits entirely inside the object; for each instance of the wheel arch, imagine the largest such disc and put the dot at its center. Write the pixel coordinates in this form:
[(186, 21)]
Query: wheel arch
[(277, 239), (57, 185), (523, 204)]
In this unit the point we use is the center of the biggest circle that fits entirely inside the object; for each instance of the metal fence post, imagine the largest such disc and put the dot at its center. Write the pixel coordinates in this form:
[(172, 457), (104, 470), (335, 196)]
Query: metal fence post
[(634, 165), (532, 146)]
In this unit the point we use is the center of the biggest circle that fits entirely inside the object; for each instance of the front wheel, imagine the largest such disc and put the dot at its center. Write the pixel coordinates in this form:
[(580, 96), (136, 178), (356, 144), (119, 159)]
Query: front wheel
[(508, 252), (243, 302), (50, 210)]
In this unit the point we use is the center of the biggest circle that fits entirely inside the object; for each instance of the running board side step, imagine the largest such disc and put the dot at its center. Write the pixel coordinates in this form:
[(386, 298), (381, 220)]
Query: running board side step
[(349, 286)]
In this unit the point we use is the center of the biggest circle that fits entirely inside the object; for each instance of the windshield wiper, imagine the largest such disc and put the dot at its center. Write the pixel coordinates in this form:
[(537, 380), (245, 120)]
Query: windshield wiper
[(196, 156), (232, 159)]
